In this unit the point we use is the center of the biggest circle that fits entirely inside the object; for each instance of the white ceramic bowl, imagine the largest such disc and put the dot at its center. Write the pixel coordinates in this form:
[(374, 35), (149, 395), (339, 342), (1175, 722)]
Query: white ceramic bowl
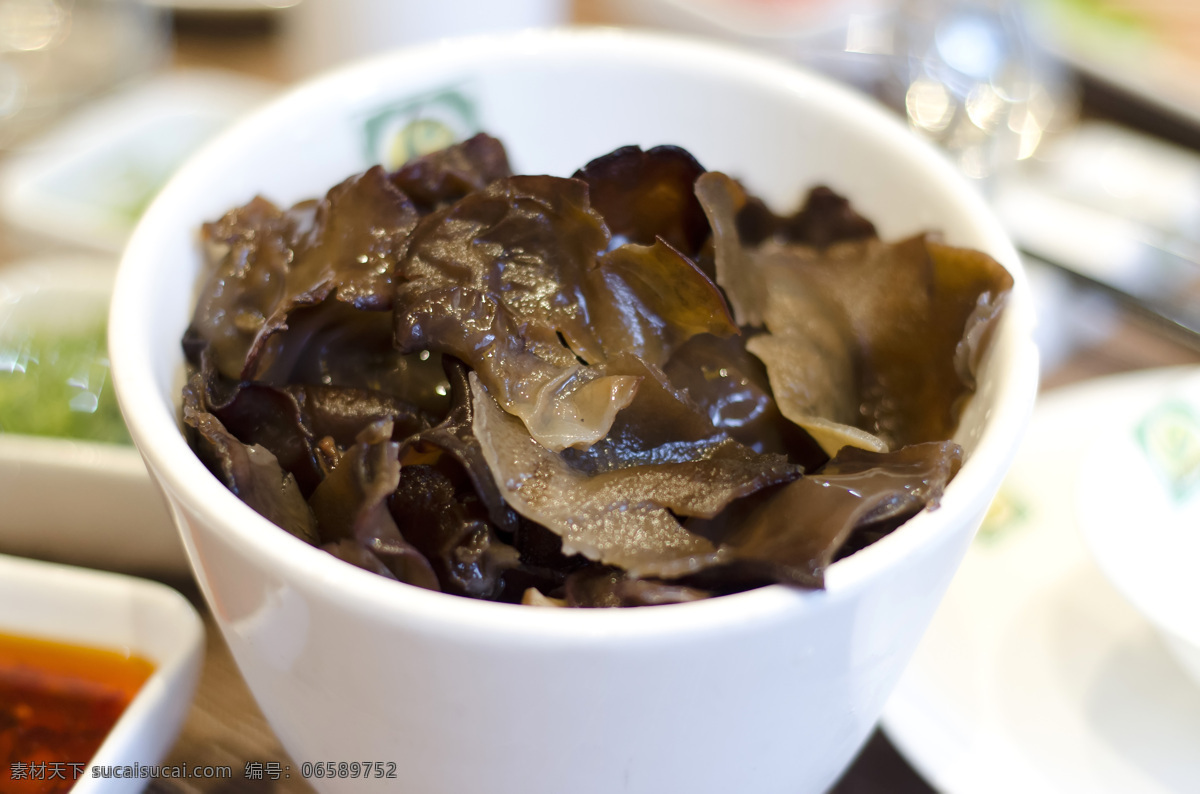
[(1139, 509), (117, 613), (772, 690)]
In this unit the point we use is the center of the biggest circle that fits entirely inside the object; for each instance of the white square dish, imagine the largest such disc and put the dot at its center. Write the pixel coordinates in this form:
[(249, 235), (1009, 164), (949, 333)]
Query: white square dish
[(79, 502), (117, 613)]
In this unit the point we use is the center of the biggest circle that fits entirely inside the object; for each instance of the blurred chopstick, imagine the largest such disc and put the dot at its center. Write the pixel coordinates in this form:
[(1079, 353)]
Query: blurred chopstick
[(1180, 327), (1153, 275)]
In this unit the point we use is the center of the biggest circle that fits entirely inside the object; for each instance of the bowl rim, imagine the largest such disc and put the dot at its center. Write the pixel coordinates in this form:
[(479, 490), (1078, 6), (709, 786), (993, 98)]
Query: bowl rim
[(156, 431)]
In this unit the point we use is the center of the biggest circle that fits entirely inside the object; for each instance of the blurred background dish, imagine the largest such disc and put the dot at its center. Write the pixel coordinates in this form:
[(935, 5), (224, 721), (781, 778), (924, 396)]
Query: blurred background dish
[(1145, 534), (109, 623), (1036, 675), (72, 486), (86, 180)]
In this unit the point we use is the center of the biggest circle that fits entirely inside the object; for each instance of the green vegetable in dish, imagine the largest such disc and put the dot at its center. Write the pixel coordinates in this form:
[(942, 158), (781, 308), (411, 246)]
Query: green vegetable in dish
[(58, 385)]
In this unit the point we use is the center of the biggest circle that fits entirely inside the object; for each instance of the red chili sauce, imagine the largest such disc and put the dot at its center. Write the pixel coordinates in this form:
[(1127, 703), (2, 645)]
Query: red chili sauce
[(57, 703)]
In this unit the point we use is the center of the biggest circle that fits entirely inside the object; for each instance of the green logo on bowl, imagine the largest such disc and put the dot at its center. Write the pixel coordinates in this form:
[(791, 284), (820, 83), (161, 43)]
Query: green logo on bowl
[(411, 127), (1170, 437), (1007, 512)]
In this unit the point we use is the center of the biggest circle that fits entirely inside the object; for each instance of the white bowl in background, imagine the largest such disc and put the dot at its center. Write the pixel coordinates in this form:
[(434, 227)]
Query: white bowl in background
[(118, 613), (768, 691), (1139, 510)]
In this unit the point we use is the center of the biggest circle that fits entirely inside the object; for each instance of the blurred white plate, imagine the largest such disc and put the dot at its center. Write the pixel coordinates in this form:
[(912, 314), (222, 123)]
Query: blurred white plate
[(1036, 675), (122, 614), (88, 180), (79, 502)]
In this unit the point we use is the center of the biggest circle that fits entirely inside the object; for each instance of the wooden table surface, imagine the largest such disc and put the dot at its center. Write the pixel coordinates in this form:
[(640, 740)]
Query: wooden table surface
[(225, 727)]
